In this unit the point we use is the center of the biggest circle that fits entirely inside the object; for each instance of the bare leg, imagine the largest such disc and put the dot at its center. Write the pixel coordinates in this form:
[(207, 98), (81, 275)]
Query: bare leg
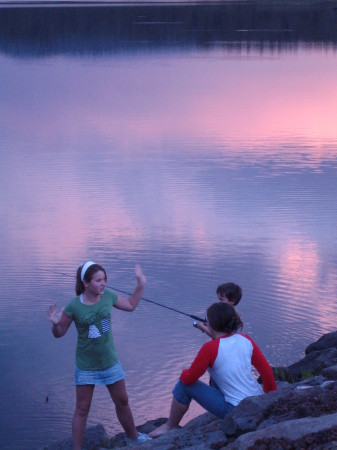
[(83, 401), (178, 410), (120, 398)]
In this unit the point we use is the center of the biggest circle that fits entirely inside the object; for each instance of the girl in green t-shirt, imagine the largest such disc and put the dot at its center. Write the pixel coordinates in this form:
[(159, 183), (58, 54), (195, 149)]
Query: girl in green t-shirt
[(96, 358)]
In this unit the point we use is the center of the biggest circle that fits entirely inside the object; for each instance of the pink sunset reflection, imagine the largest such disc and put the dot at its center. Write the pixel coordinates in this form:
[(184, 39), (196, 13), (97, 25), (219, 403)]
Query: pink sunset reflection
[(105, 113), (300, 269), (299, 260), (136, 104)]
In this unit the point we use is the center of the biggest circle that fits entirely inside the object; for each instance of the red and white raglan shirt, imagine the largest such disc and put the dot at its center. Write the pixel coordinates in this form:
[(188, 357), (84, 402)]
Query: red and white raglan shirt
[(229, 361)]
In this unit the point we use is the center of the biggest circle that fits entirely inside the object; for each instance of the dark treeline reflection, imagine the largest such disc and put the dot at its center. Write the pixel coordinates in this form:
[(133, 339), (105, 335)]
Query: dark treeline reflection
[(54, 29)]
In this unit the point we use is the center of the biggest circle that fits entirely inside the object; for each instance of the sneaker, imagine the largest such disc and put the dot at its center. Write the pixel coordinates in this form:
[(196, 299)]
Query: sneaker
[(142, 437)]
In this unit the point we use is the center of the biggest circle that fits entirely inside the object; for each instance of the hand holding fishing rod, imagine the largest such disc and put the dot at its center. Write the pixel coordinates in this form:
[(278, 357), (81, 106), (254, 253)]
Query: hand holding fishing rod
[(229, 293)]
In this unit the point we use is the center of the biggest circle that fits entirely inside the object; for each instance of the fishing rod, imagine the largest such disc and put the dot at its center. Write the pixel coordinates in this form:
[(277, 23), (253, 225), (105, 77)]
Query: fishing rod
[(127, 293)]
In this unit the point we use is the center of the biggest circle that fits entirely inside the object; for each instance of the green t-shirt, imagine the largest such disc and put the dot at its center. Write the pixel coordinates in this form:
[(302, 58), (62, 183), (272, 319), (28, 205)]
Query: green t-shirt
[(95, 347)]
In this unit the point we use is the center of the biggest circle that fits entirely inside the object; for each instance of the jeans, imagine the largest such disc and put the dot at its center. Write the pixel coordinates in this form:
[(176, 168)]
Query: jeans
[(207, 396)]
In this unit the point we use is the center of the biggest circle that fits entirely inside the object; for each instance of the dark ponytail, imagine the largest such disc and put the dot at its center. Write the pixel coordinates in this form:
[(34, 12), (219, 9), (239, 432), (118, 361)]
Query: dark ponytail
[(223, 318)]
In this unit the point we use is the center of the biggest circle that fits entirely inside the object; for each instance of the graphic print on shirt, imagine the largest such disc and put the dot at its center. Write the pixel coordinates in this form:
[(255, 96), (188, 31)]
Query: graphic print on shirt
[(98, 324), (94, 331)]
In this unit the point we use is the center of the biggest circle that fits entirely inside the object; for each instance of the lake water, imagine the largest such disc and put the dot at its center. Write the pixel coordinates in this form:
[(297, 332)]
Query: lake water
[(199, 141)]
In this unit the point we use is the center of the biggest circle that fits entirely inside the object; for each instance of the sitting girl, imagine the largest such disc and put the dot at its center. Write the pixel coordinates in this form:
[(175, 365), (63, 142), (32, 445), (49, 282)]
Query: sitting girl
[(228, 358)]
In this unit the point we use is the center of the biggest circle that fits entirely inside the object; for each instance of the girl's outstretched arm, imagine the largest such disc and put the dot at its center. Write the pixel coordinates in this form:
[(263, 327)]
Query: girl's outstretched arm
[(131, 303), (61, 322)]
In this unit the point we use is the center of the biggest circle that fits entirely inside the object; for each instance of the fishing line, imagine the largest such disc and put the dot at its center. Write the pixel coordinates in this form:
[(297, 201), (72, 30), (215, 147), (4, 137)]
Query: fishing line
[(127, 293)]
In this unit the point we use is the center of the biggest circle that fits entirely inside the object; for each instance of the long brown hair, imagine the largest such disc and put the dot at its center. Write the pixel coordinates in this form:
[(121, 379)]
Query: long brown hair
[(80, 288), (223, 318)]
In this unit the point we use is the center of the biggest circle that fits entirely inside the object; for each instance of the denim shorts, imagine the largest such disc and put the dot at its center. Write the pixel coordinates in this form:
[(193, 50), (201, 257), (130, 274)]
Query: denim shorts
[(99, 377)]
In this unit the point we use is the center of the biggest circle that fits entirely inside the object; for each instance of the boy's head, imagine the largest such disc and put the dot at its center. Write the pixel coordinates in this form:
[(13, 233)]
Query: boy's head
[(229, 293)]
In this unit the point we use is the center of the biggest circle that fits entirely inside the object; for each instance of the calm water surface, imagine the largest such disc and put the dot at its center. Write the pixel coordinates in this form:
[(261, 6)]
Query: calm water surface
[(203, 163)]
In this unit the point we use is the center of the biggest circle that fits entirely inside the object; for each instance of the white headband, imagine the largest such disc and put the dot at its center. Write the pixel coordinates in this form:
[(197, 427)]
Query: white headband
[(85, 267)]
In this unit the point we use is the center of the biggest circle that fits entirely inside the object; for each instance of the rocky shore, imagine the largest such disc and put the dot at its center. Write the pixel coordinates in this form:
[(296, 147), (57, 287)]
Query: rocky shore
[(301, 414)]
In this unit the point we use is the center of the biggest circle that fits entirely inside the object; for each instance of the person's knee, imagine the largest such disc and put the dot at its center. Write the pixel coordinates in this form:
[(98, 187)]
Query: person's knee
[(122, 401), (82, 410), (180, 393)]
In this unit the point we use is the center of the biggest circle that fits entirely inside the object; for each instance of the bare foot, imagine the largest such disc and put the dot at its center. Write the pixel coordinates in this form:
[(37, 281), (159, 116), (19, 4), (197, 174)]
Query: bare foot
[(160, 430)]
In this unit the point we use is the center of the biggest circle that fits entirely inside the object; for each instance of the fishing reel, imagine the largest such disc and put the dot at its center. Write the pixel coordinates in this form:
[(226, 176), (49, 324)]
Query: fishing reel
[(203, 321)]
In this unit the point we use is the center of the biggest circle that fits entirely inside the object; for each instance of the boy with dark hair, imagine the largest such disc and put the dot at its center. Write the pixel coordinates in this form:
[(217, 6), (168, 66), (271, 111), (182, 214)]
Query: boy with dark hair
[(229, 293)]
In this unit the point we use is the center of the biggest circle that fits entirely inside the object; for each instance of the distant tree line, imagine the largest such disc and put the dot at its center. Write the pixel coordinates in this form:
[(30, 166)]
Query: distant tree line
[(42, 31)]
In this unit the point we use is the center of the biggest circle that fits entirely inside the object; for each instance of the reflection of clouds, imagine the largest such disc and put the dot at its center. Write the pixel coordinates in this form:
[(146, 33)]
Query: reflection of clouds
[(60, 207), (306, 286), (80, 145), (299, 264), (256, 108)]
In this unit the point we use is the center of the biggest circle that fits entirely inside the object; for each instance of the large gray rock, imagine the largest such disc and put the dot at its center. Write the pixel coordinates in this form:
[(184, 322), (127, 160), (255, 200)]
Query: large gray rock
[(301, 410), (291, 429), (330, 372), (95, 437), (290, 402), (249, 413), (310, 365), (328, 340), (279, 406), (199, 434)]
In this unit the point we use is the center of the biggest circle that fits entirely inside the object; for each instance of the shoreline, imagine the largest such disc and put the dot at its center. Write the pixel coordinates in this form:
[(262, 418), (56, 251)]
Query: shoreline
[(302, 412), (112, 3)]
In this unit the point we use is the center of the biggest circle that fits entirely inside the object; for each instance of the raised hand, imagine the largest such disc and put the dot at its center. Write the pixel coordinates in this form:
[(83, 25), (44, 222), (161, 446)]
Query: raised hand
[(53, 315), (139, 275)]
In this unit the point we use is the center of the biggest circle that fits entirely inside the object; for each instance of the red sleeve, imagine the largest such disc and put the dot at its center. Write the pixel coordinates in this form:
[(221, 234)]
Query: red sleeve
[(262, 366), (204, 359)]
